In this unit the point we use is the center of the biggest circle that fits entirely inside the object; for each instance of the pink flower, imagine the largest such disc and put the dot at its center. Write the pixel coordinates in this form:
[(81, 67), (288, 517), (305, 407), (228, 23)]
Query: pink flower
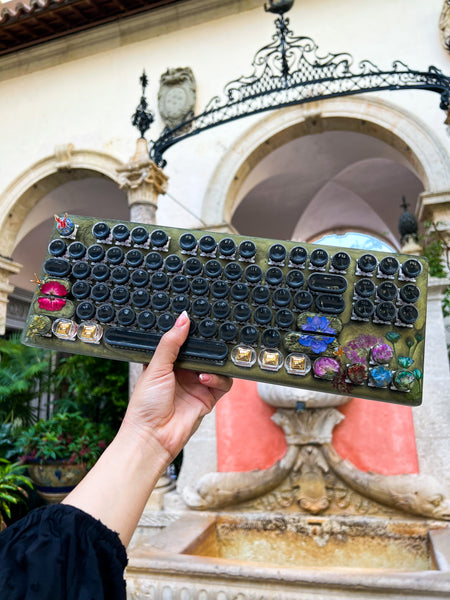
[(53, 288), (51, 303)]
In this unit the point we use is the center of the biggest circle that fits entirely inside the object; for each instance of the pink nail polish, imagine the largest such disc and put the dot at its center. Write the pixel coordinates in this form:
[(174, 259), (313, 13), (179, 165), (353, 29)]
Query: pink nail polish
[(204, 377), (182, 319)]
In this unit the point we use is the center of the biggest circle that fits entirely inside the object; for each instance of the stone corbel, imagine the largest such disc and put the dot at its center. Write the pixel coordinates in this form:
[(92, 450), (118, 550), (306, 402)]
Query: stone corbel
[(7, 268), (444, 25), (63, 156)]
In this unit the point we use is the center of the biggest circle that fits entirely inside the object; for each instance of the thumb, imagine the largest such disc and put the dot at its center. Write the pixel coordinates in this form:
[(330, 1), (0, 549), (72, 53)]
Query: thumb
[(169, 346)]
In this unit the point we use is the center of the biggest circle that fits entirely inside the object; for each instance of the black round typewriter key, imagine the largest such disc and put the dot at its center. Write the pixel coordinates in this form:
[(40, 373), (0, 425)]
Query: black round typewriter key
[(367, 263), (408, 314), (365, 288), (85, 310), (207, 328), (281, 297), (319, 257), (408, 293), (146, 319), (219, 289), (114, 255), (277, 253), (239, 292), (166, 321), (159, 238), (139, 277), (120, 294), (120, 274), (80, 290), (180, 302), (100, 272), (57, 247), (120, 232), (160, 301), (81, 270), (247, 249), (303, 300), (213, 268), (271, 338), (389, 265), (274, 276), (262, 315), (363, 308), (105, 313), (249, 334), (179, 284), (192, 326), (387, 290), (298, 255), (284, 318), (76, 250), (100, 230), (159, 281), (295, 279), (341, 261), (187, 242), (99, 292), (253, 274), (140, 298), (126, 316), (261, 294), (153, 261), (221, 309), (139, 235), (233, 271), (385, 311), (207, 244), (227, 247), (199, 286), (411, 268), (95, 252), (173, 263), (193, 266), (201, 307), (228, 331), (242, 312), (134, 258)]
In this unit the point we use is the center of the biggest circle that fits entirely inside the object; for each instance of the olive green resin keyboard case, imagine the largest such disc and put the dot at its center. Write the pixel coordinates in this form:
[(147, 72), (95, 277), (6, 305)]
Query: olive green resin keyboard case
[(334, 320)]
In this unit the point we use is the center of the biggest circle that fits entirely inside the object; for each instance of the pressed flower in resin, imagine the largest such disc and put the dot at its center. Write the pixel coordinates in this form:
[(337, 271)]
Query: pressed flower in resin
[(50, 303), (53, 288)]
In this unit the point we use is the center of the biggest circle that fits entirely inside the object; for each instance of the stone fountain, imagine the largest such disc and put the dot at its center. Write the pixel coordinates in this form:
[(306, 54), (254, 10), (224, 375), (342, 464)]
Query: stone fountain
[(311, 526)]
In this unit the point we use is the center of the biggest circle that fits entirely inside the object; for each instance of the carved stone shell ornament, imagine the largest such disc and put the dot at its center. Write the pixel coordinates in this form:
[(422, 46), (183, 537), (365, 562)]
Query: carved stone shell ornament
[(176, 96), (444, 25)]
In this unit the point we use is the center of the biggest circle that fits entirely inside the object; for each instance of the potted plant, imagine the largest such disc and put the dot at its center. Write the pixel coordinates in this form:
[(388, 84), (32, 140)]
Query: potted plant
[(12, 488), (59, 451)]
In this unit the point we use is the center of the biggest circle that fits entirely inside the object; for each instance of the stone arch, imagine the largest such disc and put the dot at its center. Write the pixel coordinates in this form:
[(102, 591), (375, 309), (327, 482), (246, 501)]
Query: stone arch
[(33, 184), (417, 143)]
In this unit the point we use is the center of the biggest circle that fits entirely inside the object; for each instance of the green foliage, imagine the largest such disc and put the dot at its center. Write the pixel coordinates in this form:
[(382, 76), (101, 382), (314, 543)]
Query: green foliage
[(95, 386), (66, 436), (436, 248), (12, 486), (24, 373)]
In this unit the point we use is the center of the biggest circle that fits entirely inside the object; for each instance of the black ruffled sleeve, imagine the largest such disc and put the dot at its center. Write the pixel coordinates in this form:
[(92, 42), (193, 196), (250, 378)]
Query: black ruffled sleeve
[(61, 553)]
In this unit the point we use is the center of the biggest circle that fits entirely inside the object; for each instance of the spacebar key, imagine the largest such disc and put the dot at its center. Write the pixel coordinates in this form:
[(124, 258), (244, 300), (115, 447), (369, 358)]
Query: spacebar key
[(130, 339)]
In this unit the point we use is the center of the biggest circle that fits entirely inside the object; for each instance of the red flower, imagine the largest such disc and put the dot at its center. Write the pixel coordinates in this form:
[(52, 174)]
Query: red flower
[(51, 303), (53, 288)]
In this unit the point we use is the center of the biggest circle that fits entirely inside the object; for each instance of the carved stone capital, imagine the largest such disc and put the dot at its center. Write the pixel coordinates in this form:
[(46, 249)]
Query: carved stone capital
[(435, 206), (444, 25), (7, 268)]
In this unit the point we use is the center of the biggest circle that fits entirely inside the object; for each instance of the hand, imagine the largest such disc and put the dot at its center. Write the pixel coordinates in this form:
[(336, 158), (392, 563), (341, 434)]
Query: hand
[(168, 404)]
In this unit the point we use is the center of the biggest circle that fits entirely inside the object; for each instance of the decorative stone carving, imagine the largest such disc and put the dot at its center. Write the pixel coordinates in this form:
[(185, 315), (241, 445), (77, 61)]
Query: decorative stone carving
[(176, 96), (63, 156), (286, 397), (7, 268), (444, 25), (414, 493)]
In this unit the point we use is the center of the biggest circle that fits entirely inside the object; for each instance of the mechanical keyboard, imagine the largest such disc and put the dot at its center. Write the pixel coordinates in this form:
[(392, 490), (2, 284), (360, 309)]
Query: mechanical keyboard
[(341, 321)]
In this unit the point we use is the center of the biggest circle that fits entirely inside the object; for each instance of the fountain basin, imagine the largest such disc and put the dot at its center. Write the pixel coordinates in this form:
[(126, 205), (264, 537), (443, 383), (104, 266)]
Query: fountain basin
[(236, 556)]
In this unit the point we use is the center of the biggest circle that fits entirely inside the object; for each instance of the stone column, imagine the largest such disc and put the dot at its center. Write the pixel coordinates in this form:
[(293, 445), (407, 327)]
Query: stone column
[(144, 181), (7, 268)]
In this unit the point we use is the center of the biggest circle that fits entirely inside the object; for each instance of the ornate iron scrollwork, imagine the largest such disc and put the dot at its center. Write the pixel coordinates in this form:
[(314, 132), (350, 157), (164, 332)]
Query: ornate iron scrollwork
[(290, 71)]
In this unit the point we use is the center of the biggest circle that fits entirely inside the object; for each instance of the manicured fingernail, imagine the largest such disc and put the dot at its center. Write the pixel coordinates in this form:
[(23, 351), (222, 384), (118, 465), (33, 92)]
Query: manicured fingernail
[(182, 319), (204, 377)]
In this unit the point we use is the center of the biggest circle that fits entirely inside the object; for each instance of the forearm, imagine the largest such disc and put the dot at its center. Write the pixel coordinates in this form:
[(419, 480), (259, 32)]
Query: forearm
[(117, 488)]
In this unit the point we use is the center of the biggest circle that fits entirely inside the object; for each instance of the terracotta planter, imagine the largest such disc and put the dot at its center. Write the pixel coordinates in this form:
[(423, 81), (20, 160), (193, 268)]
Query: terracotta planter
[(56, 478)]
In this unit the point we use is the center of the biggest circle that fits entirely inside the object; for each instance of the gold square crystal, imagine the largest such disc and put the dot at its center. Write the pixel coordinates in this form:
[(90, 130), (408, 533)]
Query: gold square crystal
[(88, 332), (297, 363), (270, 358), (244, 354), (63, 328)]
